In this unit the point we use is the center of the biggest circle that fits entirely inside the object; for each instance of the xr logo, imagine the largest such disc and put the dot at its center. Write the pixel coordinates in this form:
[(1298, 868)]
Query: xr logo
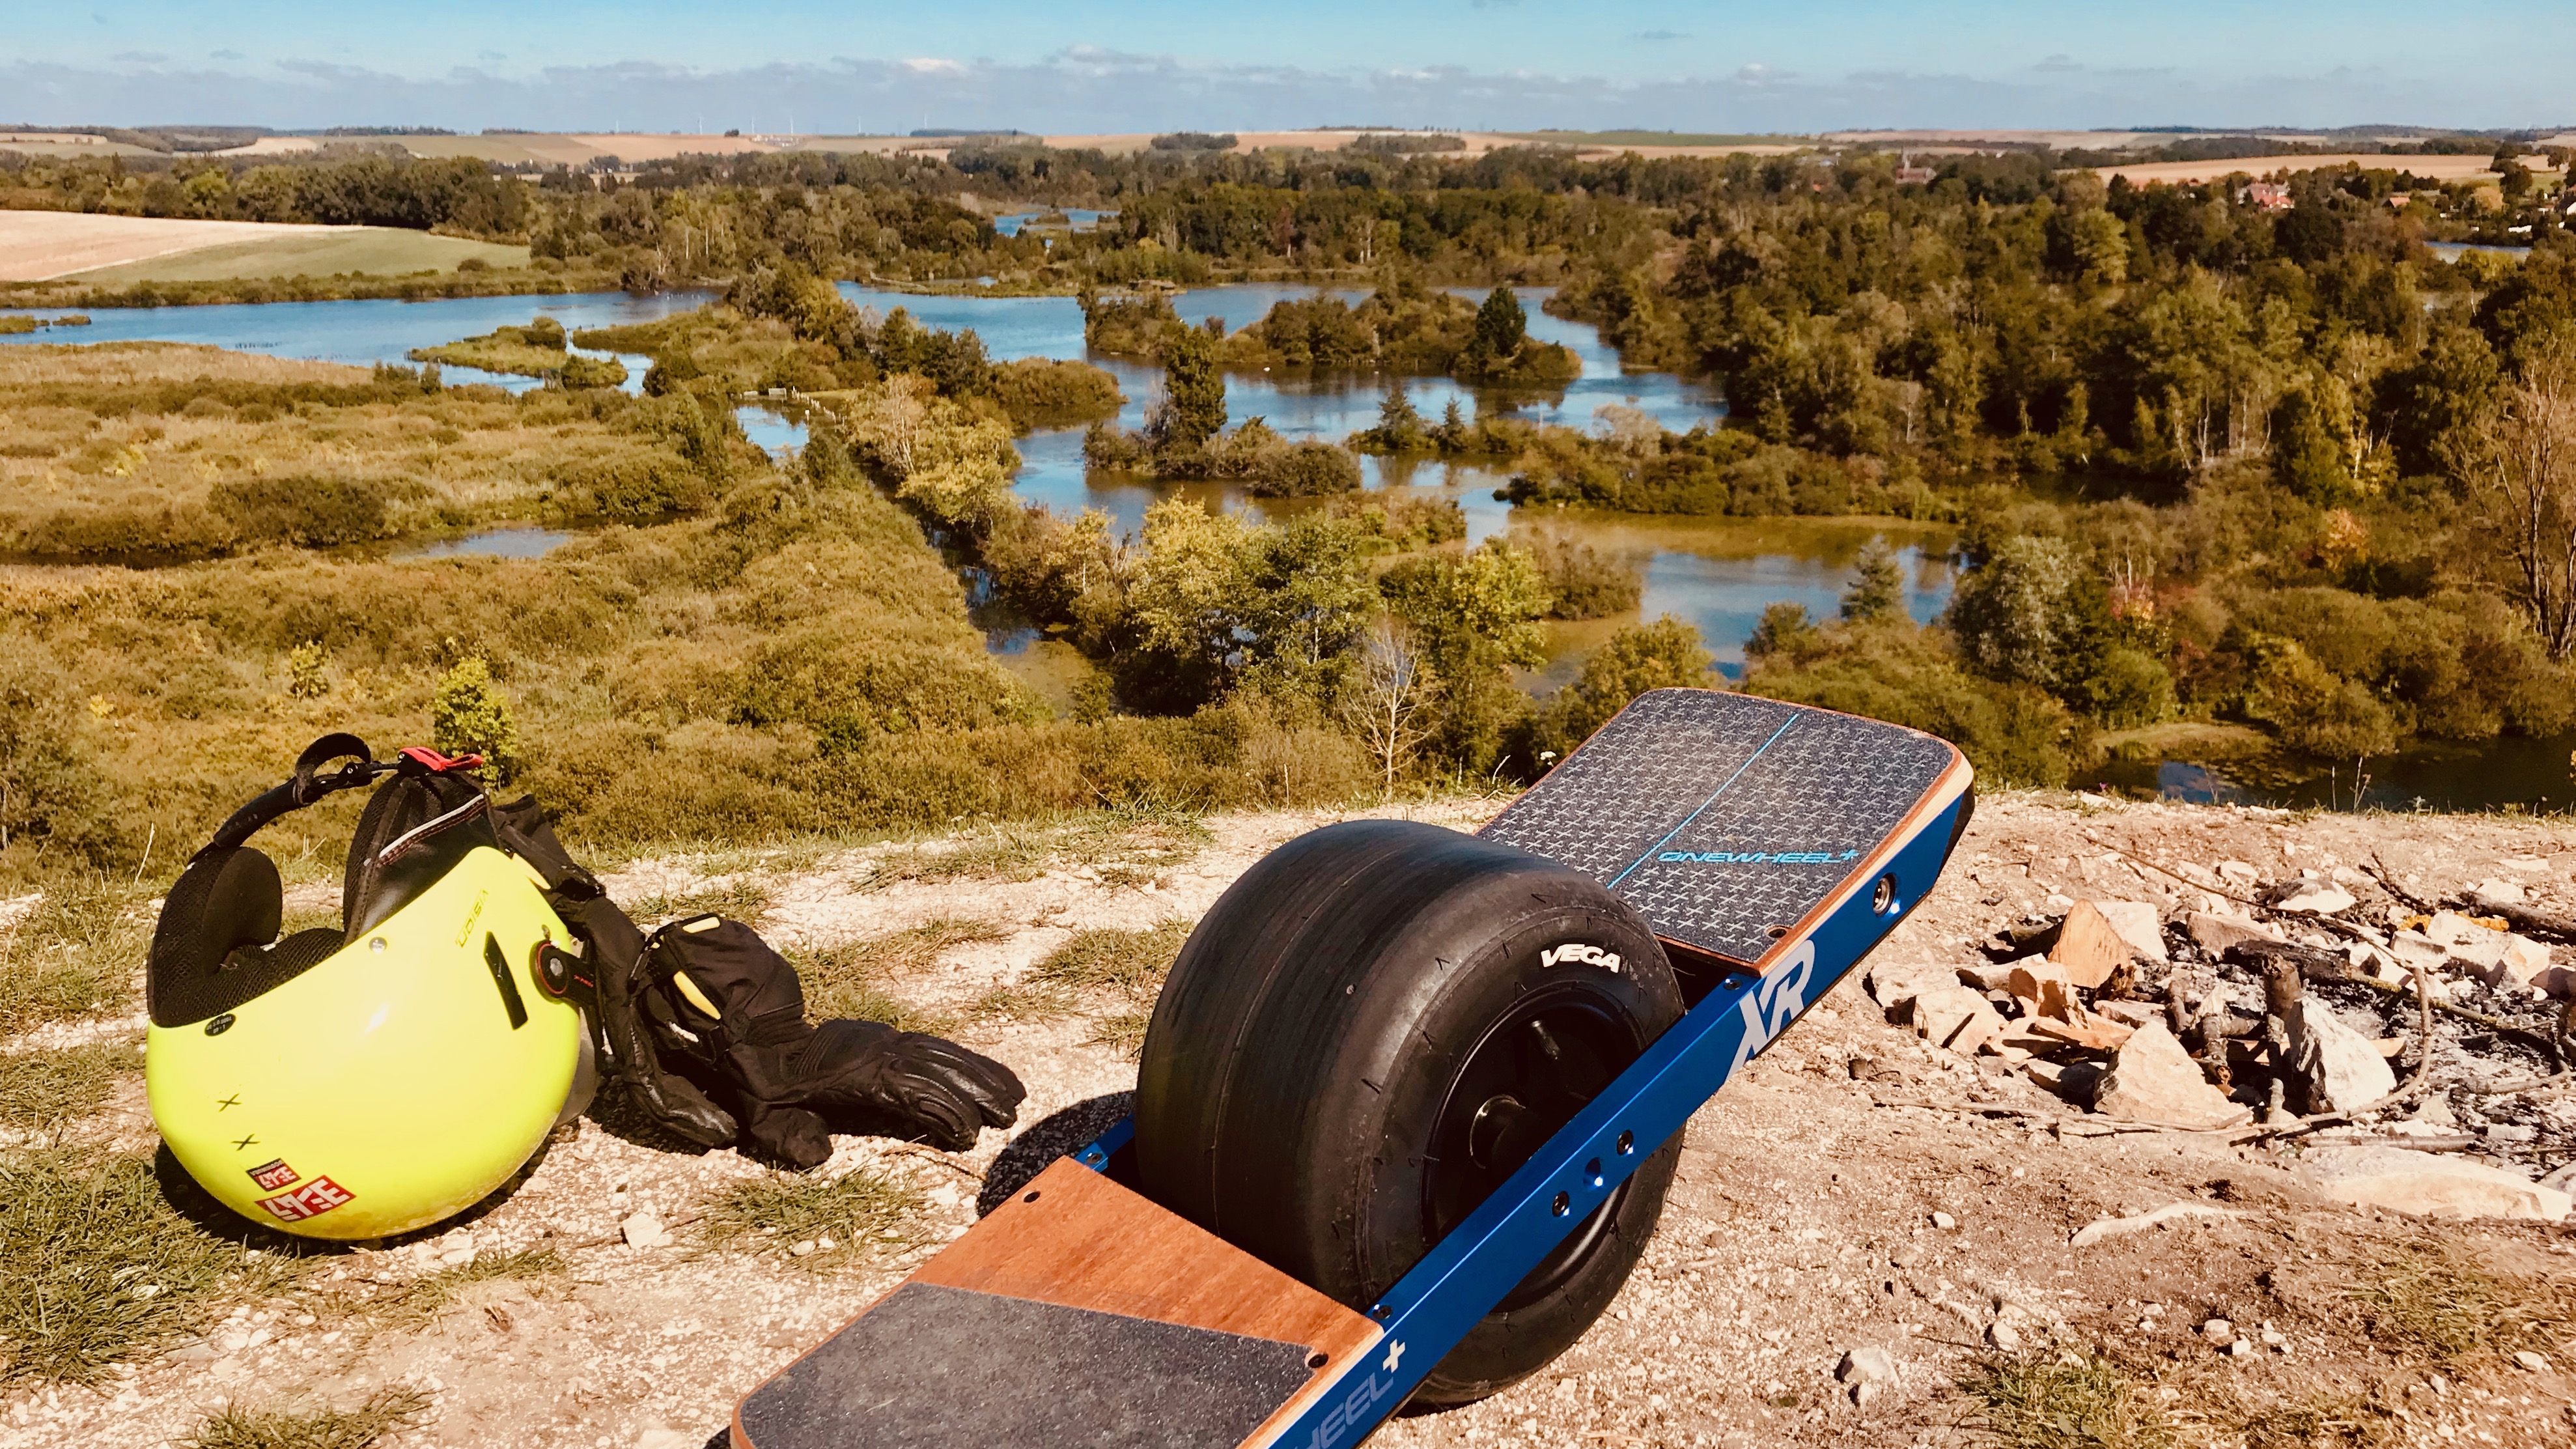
[(1394, 1355)]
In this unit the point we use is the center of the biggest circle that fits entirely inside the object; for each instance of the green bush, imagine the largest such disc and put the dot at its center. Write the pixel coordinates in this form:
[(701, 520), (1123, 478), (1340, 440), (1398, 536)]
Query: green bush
[(1583, 582), (1306, 470), (638, 487), (468, 715), (52, 794), (304, 511)]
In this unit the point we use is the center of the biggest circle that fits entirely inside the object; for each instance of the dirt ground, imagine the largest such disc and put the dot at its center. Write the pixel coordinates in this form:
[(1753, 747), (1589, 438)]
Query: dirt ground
[(1855, 1189)]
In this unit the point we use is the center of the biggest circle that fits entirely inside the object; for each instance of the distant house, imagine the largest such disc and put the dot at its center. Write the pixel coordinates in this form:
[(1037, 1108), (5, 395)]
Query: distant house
[(1909, 174), (2269, 195)]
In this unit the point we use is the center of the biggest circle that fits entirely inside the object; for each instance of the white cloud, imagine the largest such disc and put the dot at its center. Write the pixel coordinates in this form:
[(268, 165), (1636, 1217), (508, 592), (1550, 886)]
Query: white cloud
[(1091, 88)]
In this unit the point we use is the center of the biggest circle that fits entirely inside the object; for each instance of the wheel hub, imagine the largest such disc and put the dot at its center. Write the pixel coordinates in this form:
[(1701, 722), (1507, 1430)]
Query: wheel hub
[(1535, 1067)]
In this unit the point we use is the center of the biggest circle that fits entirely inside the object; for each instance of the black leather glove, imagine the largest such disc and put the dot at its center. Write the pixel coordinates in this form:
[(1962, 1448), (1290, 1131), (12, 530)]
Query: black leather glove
[(948, 1091)]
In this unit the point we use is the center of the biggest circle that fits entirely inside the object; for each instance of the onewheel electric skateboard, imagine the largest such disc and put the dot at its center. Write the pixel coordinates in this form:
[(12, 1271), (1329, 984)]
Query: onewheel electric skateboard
[(1159, 1292)]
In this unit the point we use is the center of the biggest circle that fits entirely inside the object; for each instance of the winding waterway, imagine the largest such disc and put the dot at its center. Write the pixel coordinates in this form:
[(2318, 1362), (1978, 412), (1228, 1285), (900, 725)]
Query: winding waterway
[(1716, 574)]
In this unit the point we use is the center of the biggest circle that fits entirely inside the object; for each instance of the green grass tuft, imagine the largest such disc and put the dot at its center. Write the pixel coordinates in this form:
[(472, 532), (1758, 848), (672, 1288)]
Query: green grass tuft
[(1122, 1032), (862, 1214), (43, 1092), (1105, 957), (2324, 1420), (2448, 1306), (2069, 1401), (99, 1266), (392, 1407), (1099, 970), (847, 981)]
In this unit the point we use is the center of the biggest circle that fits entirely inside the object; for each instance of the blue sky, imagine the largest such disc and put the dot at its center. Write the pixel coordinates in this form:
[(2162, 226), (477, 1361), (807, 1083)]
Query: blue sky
[(1072, 65)]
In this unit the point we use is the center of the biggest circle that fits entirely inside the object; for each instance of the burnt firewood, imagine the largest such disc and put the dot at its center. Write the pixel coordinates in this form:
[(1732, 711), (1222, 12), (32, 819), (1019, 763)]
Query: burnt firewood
[(2311, 963)]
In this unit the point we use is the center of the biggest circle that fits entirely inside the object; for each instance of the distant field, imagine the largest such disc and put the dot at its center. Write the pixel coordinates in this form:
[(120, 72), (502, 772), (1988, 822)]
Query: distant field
[(63, 143), (40, 246), (370, 250), (2442, 168), (1646, 140)]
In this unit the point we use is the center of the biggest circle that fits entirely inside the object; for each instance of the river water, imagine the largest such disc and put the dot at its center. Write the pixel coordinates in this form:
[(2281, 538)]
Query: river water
[(1716, 574)]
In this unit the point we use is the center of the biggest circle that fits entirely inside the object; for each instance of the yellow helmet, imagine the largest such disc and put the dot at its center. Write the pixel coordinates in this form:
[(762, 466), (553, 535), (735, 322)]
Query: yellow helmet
[(368, 1080)]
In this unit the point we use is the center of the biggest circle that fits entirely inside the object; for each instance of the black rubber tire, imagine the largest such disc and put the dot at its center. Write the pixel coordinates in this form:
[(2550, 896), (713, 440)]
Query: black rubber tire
[(1304, 1050)]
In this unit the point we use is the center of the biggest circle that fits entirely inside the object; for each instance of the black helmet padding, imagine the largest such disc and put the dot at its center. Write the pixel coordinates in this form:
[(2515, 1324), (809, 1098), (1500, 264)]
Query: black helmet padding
[(211, 951), (413, 832)]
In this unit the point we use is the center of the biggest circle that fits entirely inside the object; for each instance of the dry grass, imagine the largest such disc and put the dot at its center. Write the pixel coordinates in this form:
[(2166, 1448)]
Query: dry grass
[(148, 449), (1122, 847), (423, 1300), (1102, 971), (35, 245), (853, 1220), (124, 364), (101, 1267), (742, 898), (44, 1092), (395, 1406), (2068, 1401), (2447, 1305), (77, 953)]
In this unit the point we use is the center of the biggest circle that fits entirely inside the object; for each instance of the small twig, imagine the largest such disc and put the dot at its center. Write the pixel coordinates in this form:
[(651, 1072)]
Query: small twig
[(2551, 1082), (2379, 871), (927, 1154)]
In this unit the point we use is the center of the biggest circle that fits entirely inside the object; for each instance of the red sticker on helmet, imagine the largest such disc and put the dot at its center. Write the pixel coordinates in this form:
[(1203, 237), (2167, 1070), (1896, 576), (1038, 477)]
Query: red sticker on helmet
[(273, 1174), (311, 1200)]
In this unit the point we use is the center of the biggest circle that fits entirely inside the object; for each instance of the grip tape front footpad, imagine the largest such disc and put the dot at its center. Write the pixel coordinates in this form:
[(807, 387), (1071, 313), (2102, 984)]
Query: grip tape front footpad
[(942, 1368), (1722, 817)]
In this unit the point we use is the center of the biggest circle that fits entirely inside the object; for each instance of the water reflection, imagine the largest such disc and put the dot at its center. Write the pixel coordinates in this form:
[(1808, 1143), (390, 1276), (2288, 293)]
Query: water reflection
[(518, 540), (2510, 772), (773, 430), (1011, 223), (364, 333)]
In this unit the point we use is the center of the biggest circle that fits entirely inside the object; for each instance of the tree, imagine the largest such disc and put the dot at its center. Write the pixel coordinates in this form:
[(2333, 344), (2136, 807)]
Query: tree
[(2034, 612), (1878, 590), (1193, 408), (2522, 465), (2307, 456), (1474, 618), (2101, 246), (1500, 325), (1399, 426), (1781, 629), (1390, 699)]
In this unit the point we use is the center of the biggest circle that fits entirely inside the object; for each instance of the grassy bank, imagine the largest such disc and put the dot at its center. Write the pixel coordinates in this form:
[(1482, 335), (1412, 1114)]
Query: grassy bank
[(159, 452)]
